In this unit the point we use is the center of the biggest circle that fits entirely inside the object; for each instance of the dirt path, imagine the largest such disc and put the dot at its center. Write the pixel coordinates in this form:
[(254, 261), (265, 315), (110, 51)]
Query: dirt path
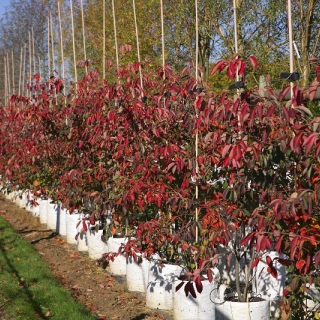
[(104, 295)]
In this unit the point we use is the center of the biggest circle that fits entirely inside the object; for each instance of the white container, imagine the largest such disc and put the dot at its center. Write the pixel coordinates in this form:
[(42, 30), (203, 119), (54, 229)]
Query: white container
[(160, 289), (72, 221), (137, 274), (119, 265), (228, 310), (62, 220), (82, 237), (268, 287), (96, 247), (51, 215), (199, 308), (43, 210)]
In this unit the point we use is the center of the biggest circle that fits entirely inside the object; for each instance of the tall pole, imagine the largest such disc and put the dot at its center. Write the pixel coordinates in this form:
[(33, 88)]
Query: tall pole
[(12, 65), (236, 32), (290, 44), (104, 39), (33, 52), (52, 43), (61, 45), (30, 65), (74, 47), (115, 33), (5, 82), (84, 38), (48, 43), (138, 47), (8, 75), (197, 164), (24, 69), (20, 71), (162, 38)]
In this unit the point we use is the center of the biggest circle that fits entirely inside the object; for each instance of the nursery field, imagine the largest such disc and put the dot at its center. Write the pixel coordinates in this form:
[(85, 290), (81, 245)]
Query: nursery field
[(104, 296)]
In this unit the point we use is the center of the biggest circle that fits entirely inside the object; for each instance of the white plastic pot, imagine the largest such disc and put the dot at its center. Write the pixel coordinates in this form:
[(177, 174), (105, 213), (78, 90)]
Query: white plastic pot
[(199, 308), (82, 237), (62, 220), (43, 210), (52, 215), (160, 289), (96, 247), (233, 310), (119, 265), (268, 287), (72, 221), (137, 274)]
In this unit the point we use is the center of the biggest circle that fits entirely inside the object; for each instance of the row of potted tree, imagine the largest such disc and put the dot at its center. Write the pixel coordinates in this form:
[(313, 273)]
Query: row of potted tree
[(246, 199)]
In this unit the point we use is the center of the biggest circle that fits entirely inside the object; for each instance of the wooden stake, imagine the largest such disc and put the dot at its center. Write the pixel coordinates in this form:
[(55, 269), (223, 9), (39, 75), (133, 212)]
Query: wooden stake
[(61, 46), (33, 52), (162, 37), (5, 82), (20, 71), (290, 44), (84, 38), (115, 33), (104, 39), (138, 48), (8, 76), (49, 60), (74, 47), (197, 139), (12, 64), (30, 66), (24, 69), (52, 44)]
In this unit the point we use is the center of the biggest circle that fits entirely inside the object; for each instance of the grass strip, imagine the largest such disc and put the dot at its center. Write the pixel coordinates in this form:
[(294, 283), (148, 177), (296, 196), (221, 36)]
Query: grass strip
[(28, 288)]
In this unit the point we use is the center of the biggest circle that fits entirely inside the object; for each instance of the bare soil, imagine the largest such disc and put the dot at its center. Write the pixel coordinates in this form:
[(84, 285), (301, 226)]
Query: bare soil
[(104, 295)]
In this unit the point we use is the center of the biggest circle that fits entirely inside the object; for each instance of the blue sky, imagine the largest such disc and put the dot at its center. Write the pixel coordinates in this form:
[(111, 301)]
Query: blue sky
[(3, 4)]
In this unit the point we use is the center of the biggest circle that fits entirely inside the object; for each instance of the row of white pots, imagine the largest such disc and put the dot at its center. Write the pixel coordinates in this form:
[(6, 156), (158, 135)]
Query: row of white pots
[(156, 280)]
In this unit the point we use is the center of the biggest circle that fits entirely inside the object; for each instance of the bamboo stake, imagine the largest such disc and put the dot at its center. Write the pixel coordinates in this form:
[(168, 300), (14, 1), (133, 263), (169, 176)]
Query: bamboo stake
[(30, 66), (137, 39), (115, 33), (24, 69), (84, 38), (20, 71), (162, 37), (235, 33), (290, 44), (61, 46), (12, 65), (39, 63), (74, 47), (49, 58), (197, 139), (8, 75), (52, 43), (33, 52), (104, 40), (5, 82)]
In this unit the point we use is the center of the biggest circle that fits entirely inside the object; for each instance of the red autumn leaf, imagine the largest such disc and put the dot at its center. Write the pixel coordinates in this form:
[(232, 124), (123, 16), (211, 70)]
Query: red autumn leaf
[(284, 262), (317, 71), (179, 286), (254, 62), (198, 283), (313, 89), (273, 272), (293, 247), (255, 262), (300, 264), (219, 66), (85, 227), (309, 142), (209, 275), (246, 239), (283, 93)]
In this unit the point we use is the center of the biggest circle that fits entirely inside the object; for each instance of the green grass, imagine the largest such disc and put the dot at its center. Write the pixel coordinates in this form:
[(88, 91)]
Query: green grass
[(28, 289)]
